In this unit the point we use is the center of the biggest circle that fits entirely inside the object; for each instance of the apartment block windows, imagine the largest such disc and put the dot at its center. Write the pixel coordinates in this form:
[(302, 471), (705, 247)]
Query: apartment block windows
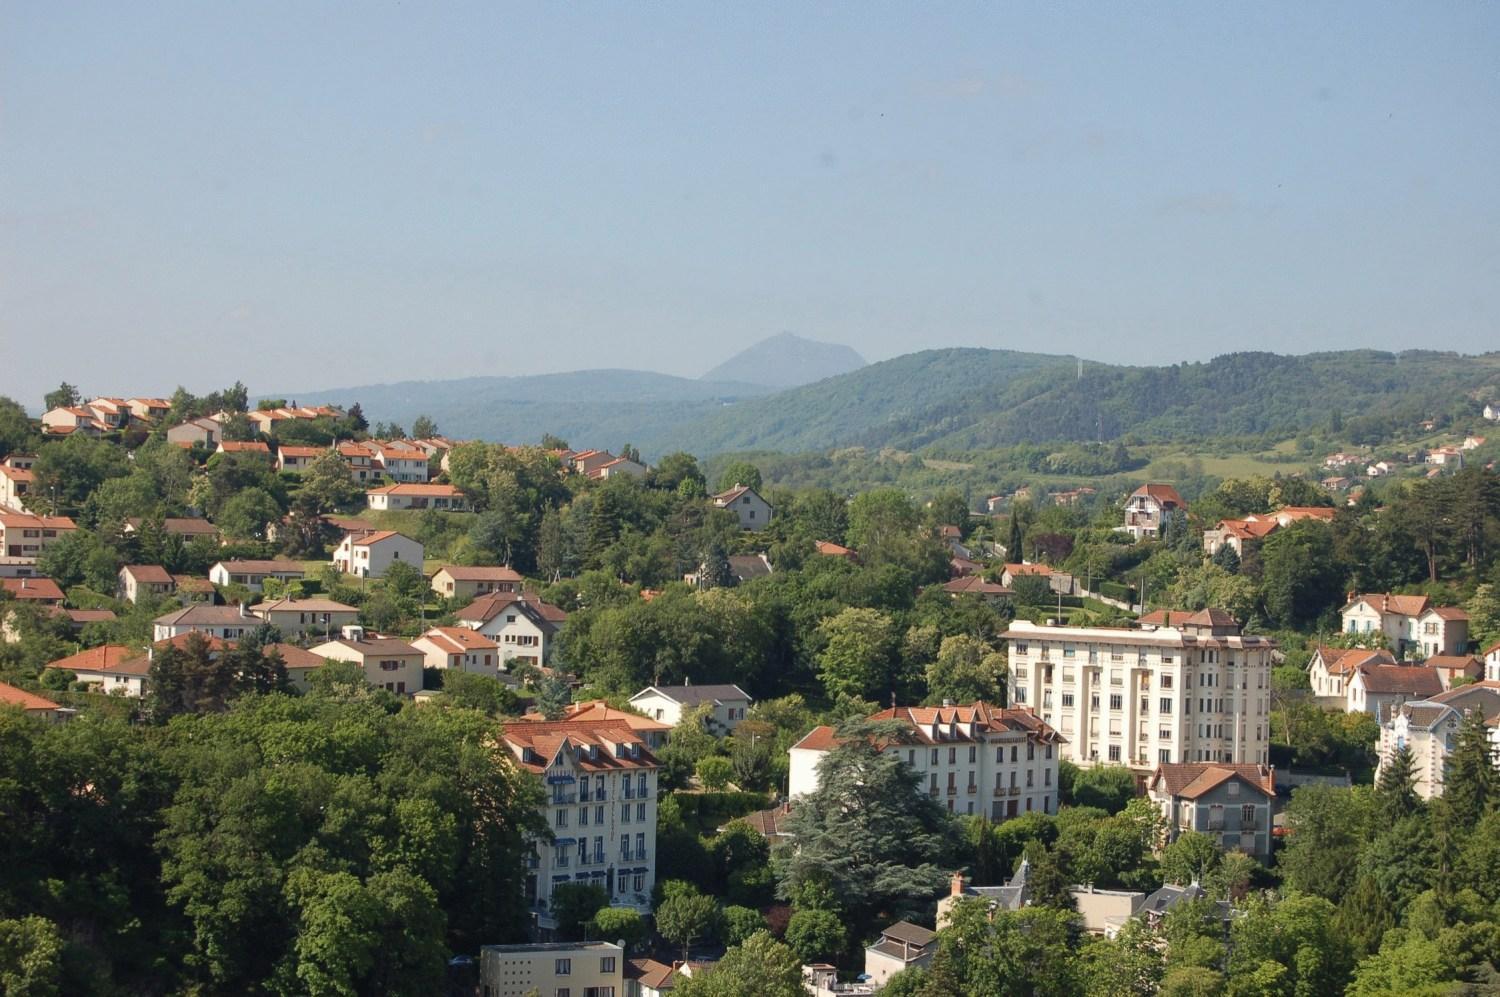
[(1116, 701), (1166, 704)]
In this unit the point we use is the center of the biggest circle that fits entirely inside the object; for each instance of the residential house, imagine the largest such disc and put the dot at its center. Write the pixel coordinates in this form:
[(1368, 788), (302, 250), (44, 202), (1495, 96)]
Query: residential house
[(1341, 460), (1446, 457), (1455, 669), (256, 447), (444, 498), (1331, 668), (364, 461), (296, 459), (294, 617), (979, 759), (300, 664), (150, 580), (16, 484), (1380, 469), (1377, 689), (25, 536), (977, 587), (187, 527), (1058, 581), (586, 462), (190, 589), (1472, 442), (1492, 412), (587, 969), (389, 664), (1491, 659), (252, 574), (619, 466), (1155, 908), (223, 622), (601, 784), (742, 568), (668, 703), (19, 461), (1233, 804), (1072, 496), (149, 409), (455, 581), (37, 707), (460, 649), (1148, 509), (116, 669), (770, 823), (828, 549), (1101, 912), (521, 624), (33, 591), (1430, 729), (368, 555), (653, 732), (1238, 534), (112, 413), (900, 946), (67, 419), (76, 619), (402, 464), (1408, 621), (649, 978), (753, 512), (1195, 691)]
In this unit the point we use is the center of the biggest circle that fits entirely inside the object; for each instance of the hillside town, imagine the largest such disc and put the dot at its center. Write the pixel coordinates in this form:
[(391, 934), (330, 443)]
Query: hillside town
[(664, 734)]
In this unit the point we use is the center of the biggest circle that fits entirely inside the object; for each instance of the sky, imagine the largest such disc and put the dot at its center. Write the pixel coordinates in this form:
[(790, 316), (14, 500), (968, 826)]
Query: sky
[(308, 195)]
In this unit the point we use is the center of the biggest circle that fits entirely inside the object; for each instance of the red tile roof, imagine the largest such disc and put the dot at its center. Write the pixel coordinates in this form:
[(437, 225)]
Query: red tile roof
[(106, 657), (1162, 494), (33, 589), (471, 573), (1411, 680), (153, 574), (456, 640), (11, 696), (1192, 779)]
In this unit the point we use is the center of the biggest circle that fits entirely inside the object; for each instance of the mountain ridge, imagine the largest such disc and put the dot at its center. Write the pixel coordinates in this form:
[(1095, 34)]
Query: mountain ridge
[(786, 360)]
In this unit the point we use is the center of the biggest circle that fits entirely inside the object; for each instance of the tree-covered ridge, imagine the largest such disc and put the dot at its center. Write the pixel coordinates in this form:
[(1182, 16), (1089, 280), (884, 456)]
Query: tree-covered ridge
[(972, 399)]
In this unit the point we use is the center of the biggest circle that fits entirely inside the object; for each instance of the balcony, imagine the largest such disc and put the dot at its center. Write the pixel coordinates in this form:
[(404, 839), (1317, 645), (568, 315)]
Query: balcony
[(1001, 791), (568, 797), (1015, 791), (952, 790)]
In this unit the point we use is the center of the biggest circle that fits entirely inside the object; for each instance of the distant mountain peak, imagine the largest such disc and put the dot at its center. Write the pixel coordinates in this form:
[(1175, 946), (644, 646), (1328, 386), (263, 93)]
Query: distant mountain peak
[(786, 360)]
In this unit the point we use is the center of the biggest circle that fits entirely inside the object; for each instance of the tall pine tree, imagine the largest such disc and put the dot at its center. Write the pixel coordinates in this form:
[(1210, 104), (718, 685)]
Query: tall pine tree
[(1471, 787), (1395, 791)]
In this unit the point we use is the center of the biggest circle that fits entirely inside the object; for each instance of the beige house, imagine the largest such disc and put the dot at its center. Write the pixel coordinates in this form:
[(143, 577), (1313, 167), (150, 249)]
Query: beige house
[(223, 622), (403, 464), (1231, 803), (900, 946), (72, 419), (368, 555), (443, 498), (149, 409), (1430, 727), (620, 466), (15, 485), (37, 707), (297, 459), (1491, 660), (294, 617), (205, 431), (389, 664), (556, 969), (1408, 622), (1377, 689), (187, 527), (462, 582), (25, 536), (522, 625), (252, 574), (754, 512), (151, 580), (1195, 691), (1331, 668), (977, 760), (364, 461), (300, 664), (460, 649)]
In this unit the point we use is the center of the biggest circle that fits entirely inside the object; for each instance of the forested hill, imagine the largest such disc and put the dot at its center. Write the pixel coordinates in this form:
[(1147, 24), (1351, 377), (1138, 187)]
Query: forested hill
[(961, 399), (973, 399)]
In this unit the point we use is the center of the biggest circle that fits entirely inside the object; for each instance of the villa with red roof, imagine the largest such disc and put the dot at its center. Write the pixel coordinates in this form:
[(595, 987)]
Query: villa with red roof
[(406, 495), (368, 555), (1148, 508), (460, 649), (1231, 803), (35, 706), (1408, 622)]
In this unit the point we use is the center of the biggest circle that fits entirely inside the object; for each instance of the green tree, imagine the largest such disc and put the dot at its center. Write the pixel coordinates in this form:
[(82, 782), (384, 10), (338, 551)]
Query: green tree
[(714, 772), (868, 832), (1108, 787), (815, 935), (16, 430), (741, 922), (1191, 858), (574, 905), (423, 428), (1471, 787), (1327, 826), (1395, 790), (65, 395), (620, 924), (740, 472), (687, 916), (1022, 953), (760, 966), (964, 670), (859, 654), (31, 951), (1301, 575)]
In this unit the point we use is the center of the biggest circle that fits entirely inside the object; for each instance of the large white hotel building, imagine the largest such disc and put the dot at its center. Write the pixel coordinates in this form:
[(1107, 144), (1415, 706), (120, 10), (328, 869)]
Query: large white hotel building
[(1188, 690)]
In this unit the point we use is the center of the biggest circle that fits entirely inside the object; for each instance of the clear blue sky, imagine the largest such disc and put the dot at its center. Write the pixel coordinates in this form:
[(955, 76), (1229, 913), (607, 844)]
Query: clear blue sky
[(304, 195)]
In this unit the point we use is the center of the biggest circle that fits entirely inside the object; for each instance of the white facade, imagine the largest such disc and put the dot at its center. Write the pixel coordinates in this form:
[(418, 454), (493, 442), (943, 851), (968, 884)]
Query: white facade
[(601, 784), (669, 703), (252, 574), (1194, 692), (1407, 622), (368, 555), (976, 759), (1430, 729), (754, 512), (1492, 663), (461, 649), (585, 969), (392, 665)]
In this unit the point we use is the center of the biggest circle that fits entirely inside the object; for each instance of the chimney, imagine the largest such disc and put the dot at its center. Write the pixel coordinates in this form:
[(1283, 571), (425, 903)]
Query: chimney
[(1385, 603), (244, 611), (957, 889)]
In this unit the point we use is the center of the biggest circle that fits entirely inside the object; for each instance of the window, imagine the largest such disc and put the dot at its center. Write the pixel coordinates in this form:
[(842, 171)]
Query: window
[(607, 964), (1116, 701), (1233, 789), (972, 754), (583, 816), (934, 756), (1013, 754), (625, 815), (1021, 694), (598, 815), (1166, 681), (624, 846), (641, 784), (1114, 753), (952, 756), (1166, 704), (563, 967), (640, 846), (640, 883), (1030, 751), (640, 812), (1163, 755), (1067, 700), (1247, 815), (562, 818)]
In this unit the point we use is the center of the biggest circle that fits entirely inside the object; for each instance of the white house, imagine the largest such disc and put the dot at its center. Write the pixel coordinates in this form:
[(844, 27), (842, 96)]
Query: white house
[(388, 664), (25, 536), (1492, 412), (15, 484), (460, 649), (977, 759), (223, 622), (252, 574), (522, 625), (1331, 668), (745, 502), (1148, 509), (668, 703), (1376, 689), (407, 495), (1492, 662), (456, 581), (404, 464), (900, 946), (116, 669), (136, 580), (294, 617), (1408, 621), (296, 458), (368, 555)]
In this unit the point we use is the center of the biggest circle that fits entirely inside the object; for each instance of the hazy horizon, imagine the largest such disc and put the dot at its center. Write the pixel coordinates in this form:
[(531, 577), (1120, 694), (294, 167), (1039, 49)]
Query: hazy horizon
[(302, 196)]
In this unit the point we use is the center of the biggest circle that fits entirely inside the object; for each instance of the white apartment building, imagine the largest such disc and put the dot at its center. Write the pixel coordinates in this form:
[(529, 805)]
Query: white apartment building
[(1196, 691), (600, 781), (584, 969), (976, 759)]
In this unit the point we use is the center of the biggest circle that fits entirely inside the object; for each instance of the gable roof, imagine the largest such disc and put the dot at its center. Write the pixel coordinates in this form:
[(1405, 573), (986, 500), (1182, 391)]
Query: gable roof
[(153, 574), (831, 549), (974, 585), (374, 645), (491, 605), (29, 701), (26, 521), (1192, 779), (412, 488), (456, 640), (214, 616), (951, 724), (263, 567), (479, 573), (1411, 680), (1344, 660), (104, 658), (1161, 493), (293, 656), (27, 589), (692, 695), (302, 606), (381, 536), (544, 739), (733, 494), (244, 446), (1384, 602)]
